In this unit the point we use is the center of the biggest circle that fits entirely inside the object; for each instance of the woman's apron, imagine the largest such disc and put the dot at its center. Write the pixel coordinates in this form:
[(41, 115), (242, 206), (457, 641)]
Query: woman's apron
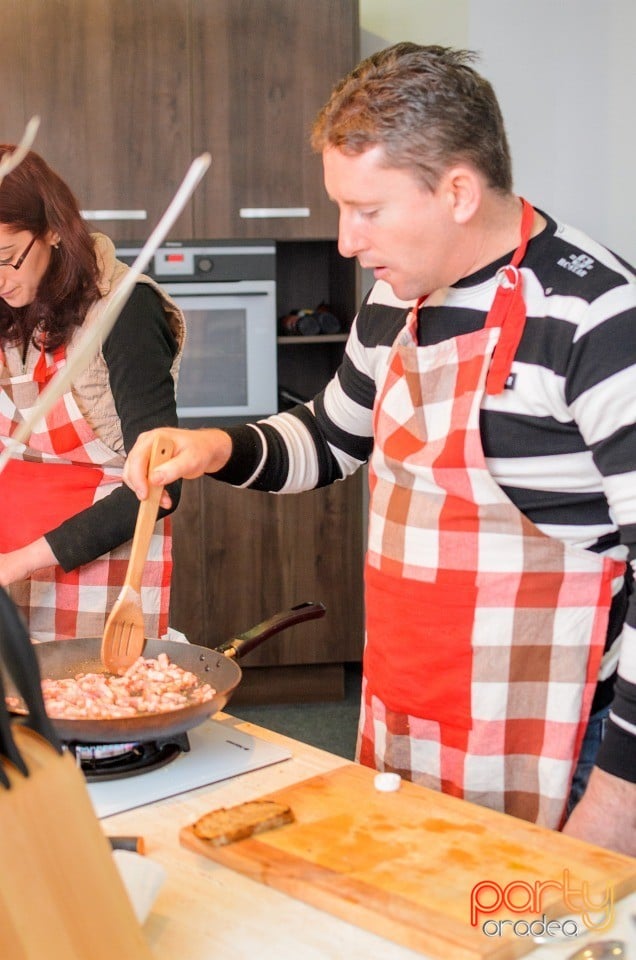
[(64, 469), (484, 635)]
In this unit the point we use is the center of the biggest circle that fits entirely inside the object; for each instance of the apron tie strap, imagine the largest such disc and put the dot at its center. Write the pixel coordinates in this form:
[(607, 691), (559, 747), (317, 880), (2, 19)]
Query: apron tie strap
[(411, 321), (509, 309), (42, 371)]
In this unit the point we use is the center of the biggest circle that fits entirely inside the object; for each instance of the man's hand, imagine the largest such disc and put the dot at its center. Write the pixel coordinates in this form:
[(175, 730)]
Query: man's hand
[(606, 814), (195, 452)]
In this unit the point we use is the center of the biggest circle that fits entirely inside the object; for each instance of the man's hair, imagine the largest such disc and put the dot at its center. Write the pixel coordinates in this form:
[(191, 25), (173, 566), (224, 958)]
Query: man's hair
[(426, 107)]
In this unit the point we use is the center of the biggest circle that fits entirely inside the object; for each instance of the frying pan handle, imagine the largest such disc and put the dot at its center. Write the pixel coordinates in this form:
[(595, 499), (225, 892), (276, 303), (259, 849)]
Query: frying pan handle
[(19, 657), (242, 643)]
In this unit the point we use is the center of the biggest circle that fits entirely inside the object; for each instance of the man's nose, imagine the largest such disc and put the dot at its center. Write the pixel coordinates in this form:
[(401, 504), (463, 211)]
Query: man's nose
[(350, 241)]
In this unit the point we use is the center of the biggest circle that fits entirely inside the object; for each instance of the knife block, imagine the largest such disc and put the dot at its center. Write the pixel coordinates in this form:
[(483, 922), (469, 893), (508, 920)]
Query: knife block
[(61, 895)]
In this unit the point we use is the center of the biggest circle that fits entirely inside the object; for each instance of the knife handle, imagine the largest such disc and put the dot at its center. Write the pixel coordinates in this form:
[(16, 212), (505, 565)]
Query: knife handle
[(134, 844)]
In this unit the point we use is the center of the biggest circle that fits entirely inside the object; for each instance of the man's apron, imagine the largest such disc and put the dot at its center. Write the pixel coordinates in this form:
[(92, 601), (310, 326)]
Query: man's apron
[(484, 635), (64, 469)]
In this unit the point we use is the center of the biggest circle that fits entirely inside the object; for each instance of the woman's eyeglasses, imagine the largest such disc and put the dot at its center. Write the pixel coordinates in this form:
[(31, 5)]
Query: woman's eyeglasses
[(21, 259)]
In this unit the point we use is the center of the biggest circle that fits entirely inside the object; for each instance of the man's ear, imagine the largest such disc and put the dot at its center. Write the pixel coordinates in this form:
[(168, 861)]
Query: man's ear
[(463, 189)]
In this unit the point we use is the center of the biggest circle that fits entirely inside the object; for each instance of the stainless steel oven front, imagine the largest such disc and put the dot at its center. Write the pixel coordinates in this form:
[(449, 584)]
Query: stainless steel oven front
[(227, 291)]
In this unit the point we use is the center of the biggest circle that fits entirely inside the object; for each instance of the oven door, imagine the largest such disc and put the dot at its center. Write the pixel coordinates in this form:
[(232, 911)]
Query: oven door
[(229, 366)]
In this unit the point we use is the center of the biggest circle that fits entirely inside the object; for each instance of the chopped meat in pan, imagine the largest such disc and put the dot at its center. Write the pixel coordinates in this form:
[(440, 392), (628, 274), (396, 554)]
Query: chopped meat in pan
[(148, 686)]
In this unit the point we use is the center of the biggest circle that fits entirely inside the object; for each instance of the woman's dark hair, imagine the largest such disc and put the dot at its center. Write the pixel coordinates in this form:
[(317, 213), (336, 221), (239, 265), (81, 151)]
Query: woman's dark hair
[(34, 198), (426, 107)]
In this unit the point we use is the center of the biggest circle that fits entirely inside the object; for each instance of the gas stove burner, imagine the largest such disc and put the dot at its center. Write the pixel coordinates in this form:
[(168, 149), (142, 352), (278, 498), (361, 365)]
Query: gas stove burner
[(113, 761)]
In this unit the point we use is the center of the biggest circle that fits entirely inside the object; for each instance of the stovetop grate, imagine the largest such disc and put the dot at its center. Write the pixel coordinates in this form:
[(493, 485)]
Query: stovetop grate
[(107, 761)]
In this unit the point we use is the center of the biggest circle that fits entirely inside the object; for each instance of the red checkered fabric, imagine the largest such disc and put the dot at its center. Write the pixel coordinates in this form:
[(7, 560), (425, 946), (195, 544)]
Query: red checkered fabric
[(59, 606), (484, 635), (55, 604)]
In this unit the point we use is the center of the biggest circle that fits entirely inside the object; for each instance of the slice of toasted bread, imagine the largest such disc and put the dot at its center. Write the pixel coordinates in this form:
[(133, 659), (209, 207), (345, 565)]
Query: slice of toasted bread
[(229, 824)]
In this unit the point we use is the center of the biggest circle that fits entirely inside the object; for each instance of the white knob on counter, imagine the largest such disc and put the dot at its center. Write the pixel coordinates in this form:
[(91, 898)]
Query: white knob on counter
[(387, 782)]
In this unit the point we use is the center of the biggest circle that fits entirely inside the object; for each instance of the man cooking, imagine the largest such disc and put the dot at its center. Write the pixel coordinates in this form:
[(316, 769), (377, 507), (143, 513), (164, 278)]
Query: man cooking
[(488, 380)]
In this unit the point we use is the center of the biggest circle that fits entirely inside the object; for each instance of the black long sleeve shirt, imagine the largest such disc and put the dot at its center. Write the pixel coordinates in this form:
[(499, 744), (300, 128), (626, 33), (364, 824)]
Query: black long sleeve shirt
[(139, 352)]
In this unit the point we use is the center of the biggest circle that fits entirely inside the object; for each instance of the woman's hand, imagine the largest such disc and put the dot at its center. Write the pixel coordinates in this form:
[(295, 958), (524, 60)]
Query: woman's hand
[(19, 564), (195, 452)]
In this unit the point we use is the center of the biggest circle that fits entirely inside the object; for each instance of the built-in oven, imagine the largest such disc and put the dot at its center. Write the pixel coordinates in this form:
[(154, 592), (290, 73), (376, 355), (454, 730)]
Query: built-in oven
[(227, 291)]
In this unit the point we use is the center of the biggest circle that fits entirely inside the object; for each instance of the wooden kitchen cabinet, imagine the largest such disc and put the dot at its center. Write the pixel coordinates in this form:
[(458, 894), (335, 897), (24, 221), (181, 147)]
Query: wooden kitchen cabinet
[(261, 71), (111, 84), (242, 555), (129, 91)]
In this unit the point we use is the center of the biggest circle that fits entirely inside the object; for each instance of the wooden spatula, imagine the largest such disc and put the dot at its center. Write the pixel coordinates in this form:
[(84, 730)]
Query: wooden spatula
[(124, 638)]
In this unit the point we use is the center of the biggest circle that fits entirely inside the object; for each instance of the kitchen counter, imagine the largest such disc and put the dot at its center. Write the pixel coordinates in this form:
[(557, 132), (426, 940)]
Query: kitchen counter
[(206, 911)]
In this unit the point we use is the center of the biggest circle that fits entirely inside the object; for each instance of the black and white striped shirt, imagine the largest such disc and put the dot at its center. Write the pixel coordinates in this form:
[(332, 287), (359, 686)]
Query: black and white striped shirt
[(560, 440)]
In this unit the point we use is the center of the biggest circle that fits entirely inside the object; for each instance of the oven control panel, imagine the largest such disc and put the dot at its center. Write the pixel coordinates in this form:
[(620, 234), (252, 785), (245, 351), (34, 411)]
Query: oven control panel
[(211, 261)]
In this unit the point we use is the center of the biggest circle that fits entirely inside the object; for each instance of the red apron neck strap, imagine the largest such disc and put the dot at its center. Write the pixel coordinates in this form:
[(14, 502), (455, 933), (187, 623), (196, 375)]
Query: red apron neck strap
[(527, 219), (508, 277), (508, 309), (42, 371), (411, 322), (39, 371)]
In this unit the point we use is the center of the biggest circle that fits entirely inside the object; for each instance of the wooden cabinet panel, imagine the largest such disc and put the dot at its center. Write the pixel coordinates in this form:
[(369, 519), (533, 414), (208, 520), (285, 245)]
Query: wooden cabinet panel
[(188, 586), (111, 83), (129, 91), (261, 71), (14, 36), (241, 555)]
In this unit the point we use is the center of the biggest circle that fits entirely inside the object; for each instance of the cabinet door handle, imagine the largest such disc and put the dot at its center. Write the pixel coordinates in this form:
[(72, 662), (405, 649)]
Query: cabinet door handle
[(114, 214), (253, 213)]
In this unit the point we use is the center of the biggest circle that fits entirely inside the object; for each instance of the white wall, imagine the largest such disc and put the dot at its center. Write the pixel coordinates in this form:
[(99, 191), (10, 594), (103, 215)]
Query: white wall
[(384, 22), (565, 75)]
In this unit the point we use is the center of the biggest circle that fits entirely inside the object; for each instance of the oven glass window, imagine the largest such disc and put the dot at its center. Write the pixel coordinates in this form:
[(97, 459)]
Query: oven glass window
[(214, 363)]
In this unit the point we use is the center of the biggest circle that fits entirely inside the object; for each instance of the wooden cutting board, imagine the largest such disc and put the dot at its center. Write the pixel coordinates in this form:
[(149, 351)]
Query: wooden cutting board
[(404, 865)]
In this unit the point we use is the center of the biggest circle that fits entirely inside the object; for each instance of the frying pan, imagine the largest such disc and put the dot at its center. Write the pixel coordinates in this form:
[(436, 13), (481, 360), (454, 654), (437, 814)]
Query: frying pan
[(217, 666)]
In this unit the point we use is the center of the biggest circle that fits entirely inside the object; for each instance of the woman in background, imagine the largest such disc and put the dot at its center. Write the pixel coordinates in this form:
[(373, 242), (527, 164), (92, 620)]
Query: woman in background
[(67, 520)]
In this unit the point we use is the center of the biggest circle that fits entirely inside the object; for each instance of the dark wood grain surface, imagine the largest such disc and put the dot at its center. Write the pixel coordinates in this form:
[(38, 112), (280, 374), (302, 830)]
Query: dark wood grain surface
[(112, 85), (261, 71), (241, 555)]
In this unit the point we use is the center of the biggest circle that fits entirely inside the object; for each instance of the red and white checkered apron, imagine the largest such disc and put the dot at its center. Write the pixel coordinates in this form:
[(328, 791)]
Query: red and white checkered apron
[(484, 635), (64, 469)]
